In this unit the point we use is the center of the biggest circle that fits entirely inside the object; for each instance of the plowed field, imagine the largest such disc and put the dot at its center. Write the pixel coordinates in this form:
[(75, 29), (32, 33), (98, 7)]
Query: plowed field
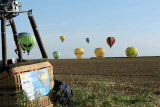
[(126, 75)]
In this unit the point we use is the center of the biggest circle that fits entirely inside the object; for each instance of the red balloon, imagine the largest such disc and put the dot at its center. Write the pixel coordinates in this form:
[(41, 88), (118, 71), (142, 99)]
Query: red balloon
[(110, 41)]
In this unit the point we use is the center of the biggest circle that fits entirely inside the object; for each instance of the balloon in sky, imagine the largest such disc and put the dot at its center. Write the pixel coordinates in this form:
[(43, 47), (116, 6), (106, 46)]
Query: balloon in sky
[(88, 40), (110, 41), (19, 37), (79, 52), (42, 75), (56, 54), (22, 34), (99, 52), (62, 38), (28, 42), (131, 52)]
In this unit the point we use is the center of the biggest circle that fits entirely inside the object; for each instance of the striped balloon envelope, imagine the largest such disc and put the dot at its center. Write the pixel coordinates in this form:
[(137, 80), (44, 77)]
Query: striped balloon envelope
[(110, 41), (22, 34)]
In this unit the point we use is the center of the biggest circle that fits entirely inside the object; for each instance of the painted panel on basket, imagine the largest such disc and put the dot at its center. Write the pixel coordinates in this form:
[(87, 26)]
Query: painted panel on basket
[(36, 83)]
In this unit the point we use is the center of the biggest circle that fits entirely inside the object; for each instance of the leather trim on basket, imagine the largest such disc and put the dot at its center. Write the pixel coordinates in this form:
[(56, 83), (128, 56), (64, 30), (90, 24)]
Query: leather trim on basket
[(27, 62), (24, 62), (23, 72)]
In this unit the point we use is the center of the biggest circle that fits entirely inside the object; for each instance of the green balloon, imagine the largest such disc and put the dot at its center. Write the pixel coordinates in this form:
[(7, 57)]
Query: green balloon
[(28, 42), (56, 54)]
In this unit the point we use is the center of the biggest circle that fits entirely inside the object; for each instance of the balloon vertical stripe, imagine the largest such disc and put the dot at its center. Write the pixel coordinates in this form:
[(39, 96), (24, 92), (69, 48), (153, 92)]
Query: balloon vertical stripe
[(110, 41)]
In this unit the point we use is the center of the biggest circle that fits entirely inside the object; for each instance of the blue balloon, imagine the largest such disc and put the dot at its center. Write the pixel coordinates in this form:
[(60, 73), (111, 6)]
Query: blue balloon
[(87, 39)]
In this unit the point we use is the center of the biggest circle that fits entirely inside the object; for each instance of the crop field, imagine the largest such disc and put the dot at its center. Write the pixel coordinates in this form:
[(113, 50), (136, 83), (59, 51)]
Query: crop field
[(129, 76)]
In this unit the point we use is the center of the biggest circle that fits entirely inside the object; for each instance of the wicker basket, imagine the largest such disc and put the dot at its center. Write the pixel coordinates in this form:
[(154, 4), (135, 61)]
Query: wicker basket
[(10, 83)]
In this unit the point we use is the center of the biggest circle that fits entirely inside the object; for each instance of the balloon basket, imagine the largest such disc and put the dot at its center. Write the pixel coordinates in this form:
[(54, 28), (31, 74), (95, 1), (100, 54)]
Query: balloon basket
[(11, 82)]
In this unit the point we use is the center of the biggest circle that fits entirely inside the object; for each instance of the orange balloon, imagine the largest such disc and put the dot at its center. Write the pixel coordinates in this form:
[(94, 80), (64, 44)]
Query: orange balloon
[(62, 38)]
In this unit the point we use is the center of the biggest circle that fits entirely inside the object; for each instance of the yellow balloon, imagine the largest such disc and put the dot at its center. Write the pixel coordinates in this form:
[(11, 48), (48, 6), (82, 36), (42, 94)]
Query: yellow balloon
[(131, 52), (79, 52), (62, 38), (99, 52), (42, 75)]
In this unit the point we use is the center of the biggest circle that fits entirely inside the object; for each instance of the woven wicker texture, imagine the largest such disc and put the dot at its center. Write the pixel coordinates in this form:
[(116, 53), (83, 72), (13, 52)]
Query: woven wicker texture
[(10, 84), (51, 105)]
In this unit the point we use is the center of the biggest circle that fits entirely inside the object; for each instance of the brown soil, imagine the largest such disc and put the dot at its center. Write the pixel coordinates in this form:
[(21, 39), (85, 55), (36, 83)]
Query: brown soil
[(126, 75)]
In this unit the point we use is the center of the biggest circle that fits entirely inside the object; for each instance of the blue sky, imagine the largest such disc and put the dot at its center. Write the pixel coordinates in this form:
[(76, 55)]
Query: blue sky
[(132, 23)]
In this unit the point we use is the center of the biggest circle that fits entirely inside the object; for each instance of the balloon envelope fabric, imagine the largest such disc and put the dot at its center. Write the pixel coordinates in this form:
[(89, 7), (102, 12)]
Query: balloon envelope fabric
[(110, 41)]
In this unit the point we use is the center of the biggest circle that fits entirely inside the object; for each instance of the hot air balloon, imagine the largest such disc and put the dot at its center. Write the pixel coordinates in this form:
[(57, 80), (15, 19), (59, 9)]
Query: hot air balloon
[(19, 37), (110, 41), (79, 52), (62, 38), (42, 75), (56, 54), (131, 52), (28, 42), (99, 52), (22, 34), (87, 39)]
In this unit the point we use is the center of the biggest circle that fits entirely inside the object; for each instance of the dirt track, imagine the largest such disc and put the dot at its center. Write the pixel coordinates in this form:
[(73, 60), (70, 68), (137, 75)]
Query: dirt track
[(128, 75)]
